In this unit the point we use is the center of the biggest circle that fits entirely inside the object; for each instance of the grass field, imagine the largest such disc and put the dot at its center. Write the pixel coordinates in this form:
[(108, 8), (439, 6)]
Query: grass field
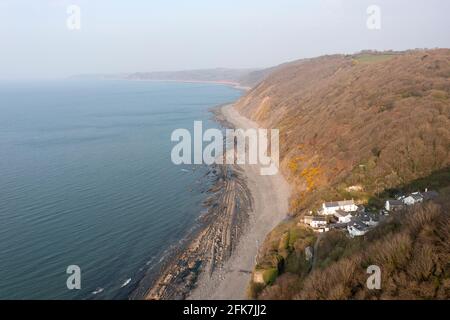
[(372, 58)]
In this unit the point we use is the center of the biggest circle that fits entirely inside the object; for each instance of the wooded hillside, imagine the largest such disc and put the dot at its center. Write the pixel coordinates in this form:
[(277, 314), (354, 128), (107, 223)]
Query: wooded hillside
[(359, 127), (374, 120)]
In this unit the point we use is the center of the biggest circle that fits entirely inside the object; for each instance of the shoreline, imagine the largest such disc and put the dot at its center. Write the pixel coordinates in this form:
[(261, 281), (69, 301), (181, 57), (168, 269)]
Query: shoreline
[(270, 195), (217, 260), (176, 273), (212, 243), (234, 85)]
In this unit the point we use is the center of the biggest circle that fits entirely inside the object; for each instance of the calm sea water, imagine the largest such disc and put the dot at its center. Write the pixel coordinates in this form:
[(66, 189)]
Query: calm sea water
[(86, 179)]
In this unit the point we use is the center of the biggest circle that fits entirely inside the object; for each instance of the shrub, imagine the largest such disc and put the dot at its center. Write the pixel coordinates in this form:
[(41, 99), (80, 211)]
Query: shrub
[(270, 275)]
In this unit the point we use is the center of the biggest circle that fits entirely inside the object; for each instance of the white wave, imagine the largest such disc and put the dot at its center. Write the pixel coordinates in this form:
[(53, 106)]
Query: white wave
[(98, 290), (126, 283)]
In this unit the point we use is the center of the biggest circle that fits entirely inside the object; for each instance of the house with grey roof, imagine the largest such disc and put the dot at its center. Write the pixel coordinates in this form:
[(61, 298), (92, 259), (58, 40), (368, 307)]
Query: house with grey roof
[(413, 198), (330, 208), (343, 216), (357, 228), (394, 205), (370, 219), (318, 222)]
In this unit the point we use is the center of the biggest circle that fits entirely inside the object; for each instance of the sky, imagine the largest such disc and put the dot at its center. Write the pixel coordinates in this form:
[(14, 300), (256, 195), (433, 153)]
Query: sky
[(118, 36)]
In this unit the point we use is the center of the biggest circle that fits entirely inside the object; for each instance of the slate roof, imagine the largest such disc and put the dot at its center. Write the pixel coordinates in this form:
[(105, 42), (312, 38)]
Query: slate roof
[(358, 224), (416, 196), (395, 202), (339, 203), (341, 213)]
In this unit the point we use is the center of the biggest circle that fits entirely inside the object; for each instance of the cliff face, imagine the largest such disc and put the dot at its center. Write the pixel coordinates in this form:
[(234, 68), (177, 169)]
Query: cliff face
[(372, 120), (355, 127)]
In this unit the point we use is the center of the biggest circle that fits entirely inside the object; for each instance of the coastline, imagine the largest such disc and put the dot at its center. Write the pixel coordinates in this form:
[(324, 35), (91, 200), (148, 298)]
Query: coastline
[(205, 250), (270, 206), (234, 85), (217, 260)]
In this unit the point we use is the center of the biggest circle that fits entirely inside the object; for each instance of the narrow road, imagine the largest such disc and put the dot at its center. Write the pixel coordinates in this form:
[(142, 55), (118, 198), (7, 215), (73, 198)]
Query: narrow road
[(316, 247)]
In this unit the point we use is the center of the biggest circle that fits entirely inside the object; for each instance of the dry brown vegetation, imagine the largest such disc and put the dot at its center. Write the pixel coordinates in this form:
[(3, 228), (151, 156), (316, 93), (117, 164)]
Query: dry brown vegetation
[(284, 251), (412, 250), (347, 120), (379, 122)]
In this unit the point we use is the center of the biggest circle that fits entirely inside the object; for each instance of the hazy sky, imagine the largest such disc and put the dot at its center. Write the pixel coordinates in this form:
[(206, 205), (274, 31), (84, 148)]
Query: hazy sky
[(155, 35)]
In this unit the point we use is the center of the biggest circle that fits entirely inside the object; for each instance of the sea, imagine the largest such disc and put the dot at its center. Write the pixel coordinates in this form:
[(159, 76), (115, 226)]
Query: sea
[(86, 180)]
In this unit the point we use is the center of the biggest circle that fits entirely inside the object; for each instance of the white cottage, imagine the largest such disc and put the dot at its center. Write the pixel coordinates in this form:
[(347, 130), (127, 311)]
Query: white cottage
[(357, 229), (318, 222), (343, 216), (330, 208), (413, 198), (392, 205)]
